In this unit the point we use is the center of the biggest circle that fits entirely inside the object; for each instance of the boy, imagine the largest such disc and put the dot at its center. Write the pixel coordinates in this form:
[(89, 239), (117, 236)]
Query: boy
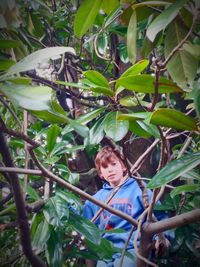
[(127, 198)]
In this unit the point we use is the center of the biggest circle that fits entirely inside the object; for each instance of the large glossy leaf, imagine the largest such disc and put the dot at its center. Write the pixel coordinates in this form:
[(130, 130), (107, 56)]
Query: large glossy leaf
[(145, 83), (91, 87), (183, 66), (136, 68), (173, 119), (97, 132), (52, 134), (164, 19), (150, 3), (31, 61), (85, 16), (41, 235), (96, 78), (114, 128), (185, 189), (175, 169), (133, 116), (56, 211), (193, 49), (54, 253), (135, 128), (112, 16), (28, 97), (50, 116), (84, 119), (6, 64), (6, 44), (85, 227), (109, 6), (131, 37)]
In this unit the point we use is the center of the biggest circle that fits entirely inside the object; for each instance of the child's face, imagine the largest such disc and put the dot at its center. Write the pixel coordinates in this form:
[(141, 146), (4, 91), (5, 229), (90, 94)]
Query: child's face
[(112, 171)]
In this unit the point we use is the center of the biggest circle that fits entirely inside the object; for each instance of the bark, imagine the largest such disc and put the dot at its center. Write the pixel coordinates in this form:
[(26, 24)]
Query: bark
[(20, 207)]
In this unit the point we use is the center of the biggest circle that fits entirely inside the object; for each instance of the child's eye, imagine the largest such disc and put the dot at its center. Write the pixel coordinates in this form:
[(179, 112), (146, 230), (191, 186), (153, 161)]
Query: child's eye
[(113, 163)]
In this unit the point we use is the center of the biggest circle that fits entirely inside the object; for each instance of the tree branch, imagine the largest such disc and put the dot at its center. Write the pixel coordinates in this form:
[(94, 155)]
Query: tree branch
[(20, 207)]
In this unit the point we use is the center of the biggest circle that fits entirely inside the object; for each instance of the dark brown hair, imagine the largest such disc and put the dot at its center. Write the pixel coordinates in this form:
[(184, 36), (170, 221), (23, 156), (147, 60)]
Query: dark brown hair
[(105, 156)]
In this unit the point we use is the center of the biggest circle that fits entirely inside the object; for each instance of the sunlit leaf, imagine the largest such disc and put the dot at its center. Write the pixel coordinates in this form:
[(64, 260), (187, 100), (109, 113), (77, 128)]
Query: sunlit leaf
[(182, 67), (164, 19), (31, 61), (109, 6), (173, 119), (174, 169), (6, 44), (146, 84), (97, 132), (96, 78), (114, 128), (193, 49), (28, 97), (136, 68), (185, 189), (131, 37), (85, 16), (52, 135)]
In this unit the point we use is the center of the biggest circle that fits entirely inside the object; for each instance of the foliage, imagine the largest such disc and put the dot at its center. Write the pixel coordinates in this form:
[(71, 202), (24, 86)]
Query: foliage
[(89, 73)]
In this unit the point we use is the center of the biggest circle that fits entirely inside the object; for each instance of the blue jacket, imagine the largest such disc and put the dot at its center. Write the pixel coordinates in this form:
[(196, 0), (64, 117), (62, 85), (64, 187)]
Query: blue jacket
[(128, 200)]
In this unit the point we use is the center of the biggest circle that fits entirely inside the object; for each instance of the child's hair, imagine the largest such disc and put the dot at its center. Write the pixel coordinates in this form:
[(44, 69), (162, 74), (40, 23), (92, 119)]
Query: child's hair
[(105, 156)]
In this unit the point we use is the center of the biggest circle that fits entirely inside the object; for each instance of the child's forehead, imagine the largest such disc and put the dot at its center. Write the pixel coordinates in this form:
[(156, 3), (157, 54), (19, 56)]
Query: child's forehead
[(109, 158)]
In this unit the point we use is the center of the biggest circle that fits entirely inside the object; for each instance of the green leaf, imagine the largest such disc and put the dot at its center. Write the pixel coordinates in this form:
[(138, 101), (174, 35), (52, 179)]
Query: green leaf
[(92, 87), (28, 97), (96, 78), (136, 68), (150, 3), (185, 189), (32, 193), (131, 37), (164, 19), (19, 80), (173, 119), (135, 128), (41, 235), (193, 49), (85, 16), (109, 6), (6, 64), (52, 134), (196, 90), (112, 16), (31, 61), (82, 130), (56, 212), (174, 169), (50, 116), (114, 128), (97, 132), (84, 119), (85, 227), (71, 199), (53, 251), (149, 128), (6, 44), (187, 64), (145, 83), (133, 116)]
